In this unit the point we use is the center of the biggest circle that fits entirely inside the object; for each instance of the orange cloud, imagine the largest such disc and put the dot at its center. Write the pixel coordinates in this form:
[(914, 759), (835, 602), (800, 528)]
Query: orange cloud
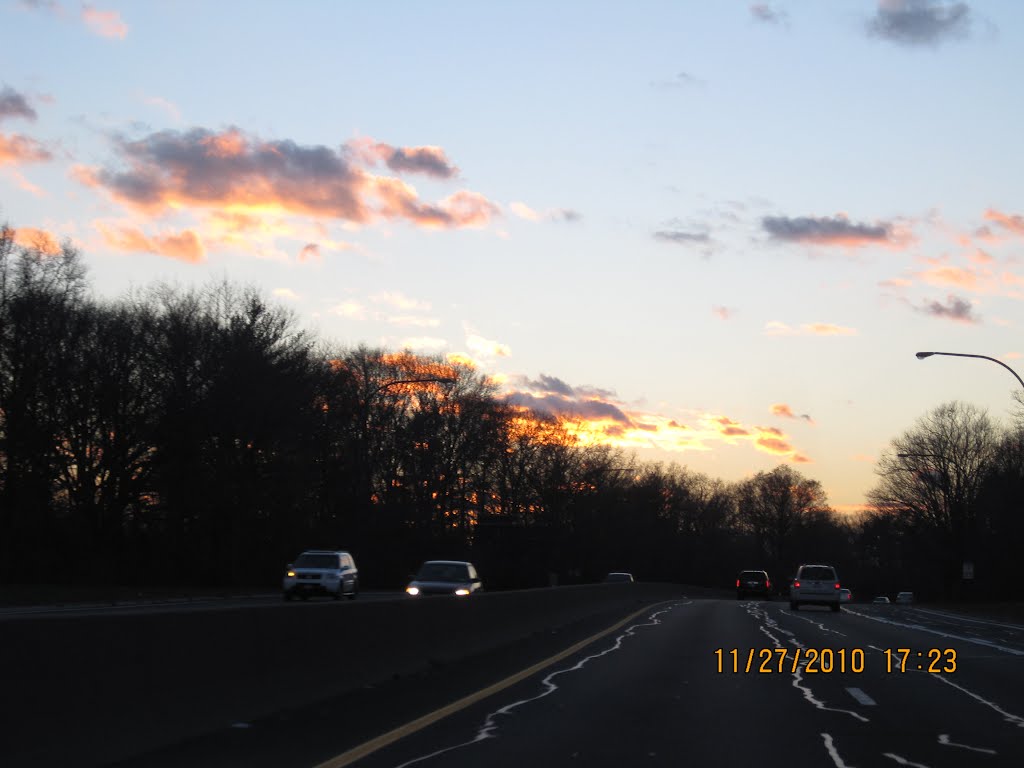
[(183, 246), (40, 239), (16, 149), (104, 23), (1013, 223), (776, 328)]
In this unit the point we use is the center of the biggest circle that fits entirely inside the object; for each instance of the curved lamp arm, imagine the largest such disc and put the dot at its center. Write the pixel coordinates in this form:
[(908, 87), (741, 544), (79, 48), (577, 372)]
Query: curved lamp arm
[(923, 355)]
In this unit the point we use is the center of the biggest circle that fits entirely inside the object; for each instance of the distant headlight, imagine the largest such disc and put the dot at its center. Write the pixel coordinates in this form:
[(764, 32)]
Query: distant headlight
[(462, 592), (290, 574), (412, 590)]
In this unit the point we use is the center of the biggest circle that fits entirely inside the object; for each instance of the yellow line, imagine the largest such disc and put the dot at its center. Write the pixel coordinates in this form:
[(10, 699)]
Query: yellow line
[(371, 746)]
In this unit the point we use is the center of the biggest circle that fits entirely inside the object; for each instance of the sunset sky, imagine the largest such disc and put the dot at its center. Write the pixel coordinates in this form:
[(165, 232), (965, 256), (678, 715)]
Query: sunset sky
[(712, 232)]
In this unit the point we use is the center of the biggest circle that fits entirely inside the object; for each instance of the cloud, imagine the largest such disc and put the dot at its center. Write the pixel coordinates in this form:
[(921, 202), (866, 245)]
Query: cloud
[(1011, 223), (166, 106), (234, 171), (457, 358), (765, 13), (399, 300), (310, 252), (828, 230), (16, 149), (428, 160), (523, 211), (786, 412), (350, 309), (729, 428), (45, 242), (430, 343), (955, 308), (14, 104), (598, 416), (776, 328), (920, 22), (182, 246), (104, 23), (413, 321), (286, 293), (680, 237), (487, 348), (723, 313), (681, 80)]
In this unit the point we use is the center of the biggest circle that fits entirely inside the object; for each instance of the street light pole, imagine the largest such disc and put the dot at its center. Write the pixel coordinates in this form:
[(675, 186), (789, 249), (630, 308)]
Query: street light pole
[(923, 355)]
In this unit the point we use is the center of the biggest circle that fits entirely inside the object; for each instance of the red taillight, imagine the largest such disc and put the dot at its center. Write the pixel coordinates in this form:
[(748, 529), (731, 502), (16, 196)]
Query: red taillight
[(837, 585), (768, 585), (796, 584), (737, 583)]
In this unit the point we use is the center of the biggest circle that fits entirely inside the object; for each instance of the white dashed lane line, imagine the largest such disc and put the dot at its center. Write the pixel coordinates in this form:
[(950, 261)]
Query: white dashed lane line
[(861, 697)]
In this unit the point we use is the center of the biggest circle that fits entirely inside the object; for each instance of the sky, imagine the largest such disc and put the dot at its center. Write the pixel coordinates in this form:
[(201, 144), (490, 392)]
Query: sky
[(714, 234)]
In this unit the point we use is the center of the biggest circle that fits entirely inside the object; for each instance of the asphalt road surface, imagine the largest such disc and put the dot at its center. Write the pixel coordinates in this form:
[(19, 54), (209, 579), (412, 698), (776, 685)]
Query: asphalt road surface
[(671, 687)]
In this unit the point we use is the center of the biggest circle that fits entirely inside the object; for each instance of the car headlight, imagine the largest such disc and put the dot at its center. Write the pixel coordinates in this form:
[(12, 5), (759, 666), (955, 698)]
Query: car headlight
[(412, 590), (290, 574), (462, 592)]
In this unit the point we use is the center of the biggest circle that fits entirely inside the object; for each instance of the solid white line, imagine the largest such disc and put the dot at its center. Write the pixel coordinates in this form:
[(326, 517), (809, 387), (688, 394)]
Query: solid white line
[(944, 741), (931, 631), (861, 697), (961, 617), (833, 753)]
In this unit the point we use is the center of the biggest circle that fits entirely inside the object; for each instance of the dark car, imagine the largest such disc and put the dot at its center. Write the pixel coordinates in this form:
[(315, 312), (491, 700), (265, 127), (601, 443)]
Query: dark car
[(445, 577), (753, 584), (619, 577)]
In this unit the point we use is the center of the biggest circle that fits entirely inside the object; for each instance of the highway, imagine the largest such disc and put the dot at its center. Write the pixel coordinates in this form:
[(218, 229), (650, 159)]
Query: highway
[(681, 682)]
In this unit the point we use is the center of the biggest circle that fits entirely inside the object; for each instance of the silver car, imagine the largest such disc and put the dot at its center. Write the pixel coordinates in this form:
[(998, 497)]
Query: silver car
[(816, 585), (321, 572), (445, 577)]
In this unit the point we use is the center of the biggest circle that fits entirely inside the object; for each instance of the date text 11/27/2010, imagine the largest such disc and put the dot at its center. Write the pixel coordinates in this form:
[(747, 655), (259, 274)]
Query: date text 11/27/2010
[(829, 660)]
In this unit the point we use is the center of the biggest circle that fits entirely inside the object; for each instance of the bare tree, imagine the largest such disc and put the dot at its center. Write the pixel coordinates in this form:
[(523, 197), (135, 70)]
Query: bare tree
[(931, 477)]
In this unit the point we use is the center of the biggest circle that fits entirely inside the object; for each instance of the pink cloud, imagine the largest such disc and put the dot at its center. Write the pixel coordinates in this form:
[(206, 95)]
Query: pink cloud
[(183, 246), (17, 150), (104, 23)]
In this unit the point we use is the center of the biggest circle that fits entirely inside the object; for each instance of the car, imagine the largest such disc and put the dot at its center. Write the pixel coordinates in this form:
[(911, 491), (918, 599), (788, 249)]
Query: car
[(618, 577), (906, 598), (753, 584), (815, 585), (445, 577), (845, 595), (321, 572), (881, 600)]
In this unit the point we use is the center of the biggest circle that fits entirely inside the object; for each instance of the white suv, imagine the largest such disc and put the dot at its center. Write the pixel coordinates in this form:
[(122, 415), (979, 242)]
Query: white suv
[(815, 585), (321, 572)]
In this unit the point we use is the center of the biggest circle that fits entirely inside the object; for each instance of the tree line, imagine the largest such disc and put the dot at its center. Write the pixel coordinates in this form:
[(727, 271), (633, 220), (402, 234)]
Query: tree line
[(199, 437)]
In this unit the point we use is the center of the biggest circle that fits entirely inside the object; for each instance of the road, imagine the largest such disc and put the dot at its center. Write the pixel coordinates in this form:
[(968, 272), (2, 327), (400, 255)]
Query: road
[(655, 692), (666, 689)]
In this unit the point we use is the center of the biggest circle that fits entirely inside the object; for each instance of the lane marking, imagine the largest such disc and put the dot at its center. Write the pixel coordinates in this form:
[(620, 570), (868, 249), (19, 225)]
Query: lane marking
[(1007, 716), (944, 741), (833, 753), (947, 635), (861, 697), (395, 734), (903, 760), (958, 617)]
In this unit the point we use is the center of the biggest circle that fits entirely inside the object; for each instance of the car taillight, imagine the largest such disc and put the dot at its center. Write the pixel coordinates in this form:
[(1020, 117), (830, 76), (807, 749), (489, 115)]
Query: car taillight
[(796, 584), (768, 585), (837, 585), (737, 583)]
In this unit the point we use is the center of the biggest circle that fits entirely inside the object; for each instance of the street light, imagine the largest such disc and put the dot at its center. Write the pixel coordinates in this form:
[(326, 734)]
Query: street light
[(923, 355)]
